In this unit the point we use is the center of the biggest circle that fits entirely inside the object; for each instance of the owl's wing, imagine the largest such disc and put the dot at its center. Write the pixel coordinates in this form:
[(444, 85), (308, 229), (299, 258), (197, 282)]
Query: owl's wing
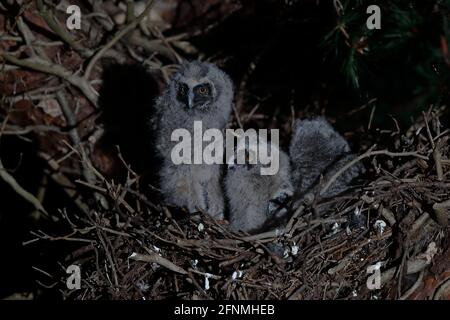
[(157, 108), (157, 123)]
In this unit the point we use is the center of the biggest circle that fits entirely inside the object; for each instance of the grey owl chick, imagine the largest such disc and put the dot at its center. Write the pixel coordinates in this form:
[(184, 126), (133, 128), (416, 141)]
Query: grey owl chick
[(197, 92), (255, 199), (317, 150)]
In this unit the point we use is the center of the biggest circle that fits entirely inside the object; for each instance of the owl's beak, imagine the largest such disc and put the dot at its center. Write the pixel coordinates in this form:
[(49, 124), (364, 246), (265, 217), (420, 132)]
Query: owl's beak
[(191, 99), (231, 163)]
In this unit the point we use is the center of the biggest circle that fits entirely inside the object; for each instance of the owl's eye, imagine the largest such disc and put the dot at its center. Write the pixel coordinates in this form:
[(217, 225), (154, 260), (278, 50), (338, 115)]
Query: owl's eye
[(203, 90), (182, 89)]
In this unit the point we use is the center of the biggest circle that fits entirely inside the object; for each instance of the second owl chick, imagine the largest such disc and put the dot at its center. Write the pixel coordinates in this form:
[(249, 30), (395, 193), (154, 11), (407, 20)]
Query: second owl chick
[(255, 199), (318, 150)]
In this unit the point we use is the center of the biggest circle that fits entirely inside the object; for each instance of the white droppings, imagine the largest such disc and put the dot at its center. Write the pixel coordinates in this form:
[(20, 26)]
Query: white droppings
[(200, 227), (354, 293), (335, 228), (431, 251), (237, 274), (294, 250), (155, 266), (286, 253), (207, 276), (143, 286), (194, 263), (380, 225), (348, 231)]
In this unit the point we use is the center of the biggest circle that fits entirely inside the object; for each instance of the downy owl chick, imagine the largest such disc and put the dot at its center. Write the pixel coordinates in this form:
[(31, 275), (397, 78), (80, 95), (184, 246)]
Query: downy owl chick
[(197, 92), (256, 200), (318, 150)]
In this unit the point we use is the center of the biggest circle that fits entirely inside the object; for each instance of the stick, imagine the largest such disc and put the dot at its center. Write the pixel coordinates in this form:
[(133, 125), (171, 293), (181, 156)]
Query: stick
[(367, 154), (116, 38), (265, 235), (154, 258), (438, 160), (57, 70), (9, 179), (68, 187), (414, 287), (73, 133), (56, 27)]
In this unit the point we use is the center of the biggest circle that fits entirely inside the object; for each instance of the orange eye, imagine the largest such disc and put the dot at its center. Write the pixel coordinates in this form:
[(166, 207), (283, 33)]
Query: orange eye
[(202, 90)]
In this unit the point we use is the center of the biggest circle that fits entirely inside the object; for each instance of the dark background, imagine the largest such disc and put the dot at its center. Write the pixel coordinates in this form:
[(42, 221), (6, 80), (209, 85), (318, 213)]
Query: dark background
[(301, 64)]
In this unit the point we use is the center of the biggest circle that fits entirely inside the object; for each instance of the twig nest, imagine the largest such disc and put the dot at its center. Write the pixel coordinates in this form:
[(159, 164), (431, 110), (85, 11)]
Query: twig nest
[(441, 213)]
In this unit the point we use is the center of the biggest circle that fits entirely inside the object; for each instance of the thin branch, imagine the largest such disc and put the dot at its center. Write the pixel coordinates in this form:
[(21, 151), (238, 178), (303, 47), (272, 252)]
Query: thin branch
[(54, 69), (414, 287), (56, 27), (130, 10), (68, 187), (17, 131), (29, 38), (367, 154), (73, 133), (155, 258), (9, 179), (438, 161), (116, 38), (167, 44)]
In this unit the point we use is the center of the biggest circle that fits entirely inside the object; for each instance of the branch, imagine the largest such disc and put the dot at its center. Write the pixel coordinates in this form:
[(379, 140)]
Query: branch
[(9, 179), (116, 38), (29, 38), (154, 258), (73, 133), (54, 69), (265, 235), (367, 154), (56, 27), (60, 179), (154, 45)]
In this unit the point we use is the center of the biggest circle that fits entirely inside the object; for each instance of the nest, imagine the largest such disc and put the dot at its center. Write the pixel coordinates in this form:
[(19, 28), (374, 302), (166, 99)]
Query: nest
[(395, 223), (387, 238)]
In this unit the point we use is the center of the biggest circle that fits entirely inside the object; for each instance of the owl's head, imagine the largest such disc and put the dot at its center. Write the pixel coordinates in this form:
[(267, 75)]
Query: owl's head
[(317, 137), (200, 85), (257, 158), (248, 160)]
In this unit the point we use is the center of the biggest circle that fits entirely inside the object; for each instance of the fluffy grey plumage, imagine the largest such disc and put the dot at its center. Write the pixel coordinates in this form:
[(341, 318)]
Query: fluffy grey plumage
[(198, 92), (255, 199), (316, 150)]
